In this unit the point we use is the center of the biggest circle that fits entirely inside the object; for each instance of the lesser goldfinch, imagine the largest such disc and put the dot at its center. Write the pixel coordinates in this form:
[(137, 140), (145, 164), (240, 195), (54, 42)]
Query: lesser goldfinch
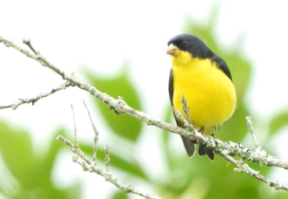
[(205, 81)]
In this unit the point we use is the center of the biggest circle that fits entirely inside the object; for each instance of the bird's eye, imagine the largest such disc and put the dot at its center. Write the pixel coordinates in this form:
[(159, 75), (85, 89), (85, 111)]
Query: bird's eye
[(185, 43)]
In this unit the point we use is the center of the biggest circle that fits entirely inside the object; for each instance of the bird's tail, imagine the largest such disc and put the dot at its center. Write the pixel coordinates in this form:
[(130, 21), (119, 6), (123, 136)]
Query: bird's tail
[(204, 150), (189, 146)]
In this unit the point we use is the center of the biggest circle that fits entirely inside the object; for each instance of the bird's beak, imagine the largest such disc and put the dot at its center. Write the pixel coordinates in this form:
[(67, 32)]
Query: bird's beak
[(171, 49)]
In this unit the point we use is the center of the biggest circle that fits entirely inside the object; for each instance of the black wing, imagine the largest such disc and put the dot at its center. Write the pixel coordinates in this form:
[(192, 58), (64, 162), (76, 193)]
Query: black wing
[(221, 65), (189, 144), (170, 88)]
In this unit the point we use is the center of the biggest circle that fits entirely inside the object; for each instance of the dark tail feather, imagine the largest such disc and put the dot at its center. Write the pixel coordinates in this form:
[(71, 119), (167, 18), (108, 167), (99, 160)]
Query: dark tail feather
[(189, 146), (210, 153), (203, 150)]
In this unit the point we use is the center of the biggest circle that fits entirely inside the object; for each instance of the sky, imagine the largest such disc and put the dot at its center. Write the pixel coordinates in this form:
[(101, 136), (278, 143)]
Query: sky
[(100, 35)]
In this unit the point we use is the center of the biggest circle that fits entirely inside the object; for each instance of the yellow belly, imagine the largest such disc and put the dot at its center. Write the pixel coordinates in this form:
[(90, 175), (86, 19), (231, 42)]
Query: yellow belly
[(210, 94)]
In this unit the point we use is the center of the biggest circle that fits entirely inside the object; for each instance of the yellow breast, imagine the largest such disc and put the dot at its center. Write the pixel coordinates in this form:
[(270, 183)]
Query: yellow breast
[(209, 92)]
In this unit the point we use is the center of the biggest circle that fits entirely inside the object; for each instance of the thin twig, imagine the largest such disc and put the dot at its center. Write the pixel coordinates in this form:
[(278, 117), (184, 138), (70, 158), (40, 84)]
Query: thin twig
[(186, 108), (87, 165), (74, 123), (250, 127), (107, 158), (33, 100), (28, 43), (96, 137), (244, 168), (188, 124), (180, 117), (95, 148)]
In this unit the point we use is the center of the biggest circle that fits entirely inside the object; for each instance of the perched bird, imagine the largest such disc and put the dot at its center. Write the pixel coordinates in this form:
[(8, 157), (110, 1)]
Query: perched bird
[(205, 81)]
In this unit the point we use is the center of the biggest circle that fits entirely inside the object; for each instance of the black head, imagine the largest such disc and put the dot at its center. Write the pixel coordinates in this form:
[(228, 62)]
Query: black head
[(192, 44)]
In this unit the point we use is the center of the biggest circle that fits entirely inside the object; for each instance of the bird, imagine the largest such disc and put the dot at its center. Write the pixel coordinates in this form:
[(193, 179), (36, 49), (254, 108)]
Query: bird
[(205, 81)]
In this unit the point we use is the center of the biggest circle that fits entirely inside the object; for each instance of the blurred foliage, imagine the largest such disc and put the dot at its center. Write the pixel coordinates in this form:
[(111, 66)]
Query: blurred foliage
[(120, 195), (185, 178), (31, 169), (278, 122)]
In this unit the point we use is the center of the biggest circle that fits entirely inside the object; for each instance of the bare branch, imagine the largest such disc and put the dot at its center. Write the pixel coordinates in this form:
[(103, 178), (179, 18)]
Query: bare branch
[(187, 123), (91, 166), (28, 43), (88, 165), (95, 132), (107, 158), (244, 168), (186, 109), (74, 123), (33, 100), (250, 127)]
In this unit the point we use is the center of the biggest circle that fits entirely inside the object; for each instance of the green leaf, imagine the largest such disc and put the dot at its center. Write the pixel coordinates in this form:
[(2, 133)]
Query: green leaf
[(32, 168), (120, 195), (278, 122), (46, 161), (123, 125), (16, 149)]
